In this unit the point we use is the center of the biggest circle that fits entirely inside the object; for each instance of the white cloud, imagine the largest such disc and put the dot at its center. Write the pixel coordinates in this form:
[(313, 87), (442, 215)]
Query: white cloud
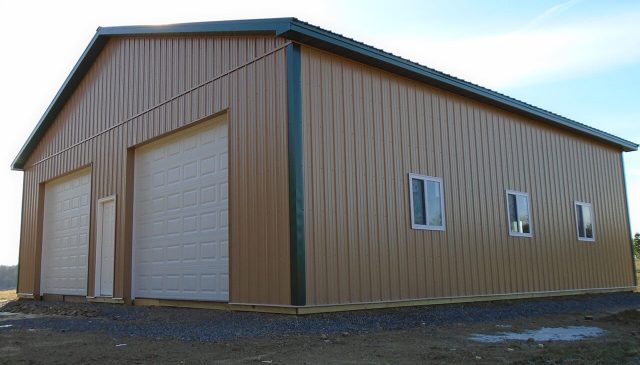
[(529, 55), (552, 12)]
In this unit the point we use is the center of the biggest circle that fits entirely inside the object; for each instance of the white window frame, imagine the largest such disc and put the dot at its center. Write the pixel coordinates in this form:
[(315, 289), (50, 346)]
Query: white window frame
[(426, 179), (518, 234), (593, 221)]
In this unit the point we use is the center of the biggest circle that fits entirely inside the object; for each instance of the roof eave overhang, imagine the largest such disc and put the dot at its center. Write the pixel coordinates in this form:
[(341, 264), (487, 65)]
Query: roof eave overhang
[(319, 38), (296, 30)]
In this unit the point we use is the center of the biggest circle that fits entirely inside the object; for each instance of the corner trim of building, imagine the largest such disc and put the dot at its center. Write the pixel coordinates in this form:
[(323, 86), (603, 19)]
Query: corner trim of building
[(296, 177), (626, 207)]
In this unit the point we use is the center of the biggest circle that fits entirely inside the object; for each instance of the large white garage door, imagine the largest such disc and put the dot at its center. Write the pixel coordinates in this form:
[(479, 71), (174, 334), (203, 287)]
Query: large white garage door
[(181, 216), (65, 235)]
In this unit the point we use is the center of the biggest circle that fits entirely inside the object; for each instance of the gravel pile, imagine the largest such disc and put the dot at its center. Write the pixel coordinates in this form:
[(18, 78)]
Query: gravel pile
[(213, 325), (51, 308)]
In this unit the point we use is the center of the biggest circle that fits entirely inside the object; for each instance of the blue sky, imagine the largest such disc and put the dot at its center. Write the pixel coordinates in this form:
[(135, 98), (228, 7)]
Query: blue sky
[(580, 59)]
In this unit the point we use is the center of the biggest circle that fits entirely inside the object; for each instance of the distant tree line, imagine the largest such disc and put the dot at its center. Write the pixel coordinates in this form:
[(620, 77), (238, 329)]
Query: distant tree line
[(636, 245), (8, 277)]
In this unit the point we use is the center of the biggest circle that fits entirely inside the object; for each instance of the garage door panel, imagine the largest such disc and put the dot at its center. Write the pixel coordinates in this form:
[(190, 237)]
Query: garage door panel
[(65, 235), (188, 285), (181, 219)]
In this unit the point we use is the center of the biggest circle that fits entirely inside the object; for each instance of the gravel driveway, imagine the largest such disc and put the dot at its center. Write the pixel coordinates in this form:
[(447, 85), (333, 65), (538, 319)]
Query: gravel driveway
[(214, 326)]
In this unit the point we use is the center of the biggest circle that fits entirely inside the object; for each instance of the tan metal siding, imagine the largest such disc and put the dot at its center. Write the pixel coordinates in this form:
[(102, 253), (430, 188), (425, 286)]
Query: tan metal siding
[(158, 85), (366, 129)]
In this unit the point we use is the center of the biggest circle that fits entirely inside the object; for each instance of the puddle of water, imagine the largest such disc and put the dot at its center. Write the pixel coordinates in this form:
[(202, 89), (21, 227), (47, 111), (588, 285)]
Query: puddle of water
[(571, 333), (6, 326)]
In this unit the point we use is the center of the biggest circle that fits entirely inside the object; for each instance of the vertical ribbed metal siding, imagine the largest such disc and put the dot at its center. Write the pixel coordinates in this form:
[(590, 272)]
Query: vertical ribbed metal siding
[(132, 75), (365, 130)]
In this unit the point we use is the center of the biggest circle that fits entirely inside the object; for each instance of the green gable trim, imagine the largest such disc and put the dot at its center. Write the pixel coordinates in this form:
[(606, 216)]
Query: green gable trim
[(335, 43), (305, 33), (99, 40), (296, 177), (64, 93)]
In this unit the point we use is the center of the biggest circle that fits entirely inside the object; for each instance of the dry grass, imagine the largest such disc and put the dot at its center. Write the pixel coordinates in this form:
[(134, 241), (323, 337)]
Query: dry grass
[(8, 295), (638, 275)]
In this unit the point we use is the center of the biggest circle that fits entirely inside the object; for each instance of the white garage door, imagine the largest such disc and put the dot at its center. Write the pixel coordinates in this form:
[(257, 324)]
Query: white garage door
[(65, 235), (181, 216)]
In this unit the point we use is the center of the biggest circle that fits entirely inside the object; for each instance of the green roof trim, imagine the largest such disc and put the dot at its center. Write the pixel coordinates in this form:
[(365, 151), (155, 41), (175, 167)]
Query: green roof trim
[(305, 33)]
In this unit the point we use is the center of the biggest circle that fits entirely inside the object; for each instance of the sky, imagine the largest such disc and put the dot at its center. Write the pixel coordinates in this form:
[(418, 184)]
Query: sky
[(579, 59)]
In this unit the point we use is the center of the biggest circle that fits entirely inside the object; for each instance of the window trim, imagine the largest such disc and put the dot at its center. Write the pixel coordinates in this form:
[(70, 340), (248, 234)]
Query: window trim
[(593, 221), (518, 234), (425, 179)]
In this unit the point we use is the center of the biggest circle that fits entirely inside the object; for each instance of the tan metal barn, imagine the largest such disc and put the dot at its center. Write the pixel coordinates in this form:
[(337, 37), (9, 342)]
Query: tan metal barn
[(273, 165)]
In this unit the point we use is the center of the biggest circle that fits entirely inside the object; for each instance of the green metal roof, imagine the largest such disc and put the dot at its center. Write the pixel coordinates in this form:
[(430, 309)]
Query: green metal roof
[(305, 33)]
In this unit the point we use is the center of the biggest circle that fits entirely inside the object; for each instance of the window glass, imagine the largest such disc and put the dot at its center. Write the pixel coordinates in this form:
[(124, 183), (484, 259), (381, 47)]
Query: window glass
[(580, 220), (513, 212), (519, 216), (419, 216), (584, 221), (433, 202), (523, 214), (588, 225), (427, 210)]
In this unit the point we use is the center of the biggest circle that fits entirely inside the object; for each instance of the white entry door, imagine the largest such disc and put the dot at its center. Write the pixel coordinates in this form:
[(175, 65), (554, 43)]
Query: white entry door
[(65, 235), (181, 216), (105, 246)]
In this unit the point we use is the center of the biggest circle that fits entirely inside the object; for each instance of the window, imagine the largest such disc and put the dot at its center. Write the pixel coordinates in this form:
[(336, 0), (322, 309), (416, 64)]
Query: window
[(519, 214), (427, 202), (584, 222)]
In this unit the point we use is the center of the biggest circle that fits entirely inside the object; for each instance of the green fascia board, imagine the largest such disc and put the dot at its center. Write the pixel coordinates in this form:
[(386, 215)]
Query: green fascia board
[(305, 33), (309, 34)]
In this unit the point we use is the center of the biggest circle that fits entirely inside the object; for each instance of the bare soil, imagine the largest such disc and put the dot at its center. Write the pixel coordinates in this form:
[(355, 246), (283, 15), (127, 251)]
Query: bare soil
[(620, 344)]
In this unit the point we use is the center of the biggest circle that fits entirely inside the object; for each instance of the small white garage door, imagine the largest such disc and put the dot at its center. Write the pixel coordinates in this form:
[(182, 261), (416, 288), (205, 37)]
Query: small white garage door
[(65, 235), (181, 216)]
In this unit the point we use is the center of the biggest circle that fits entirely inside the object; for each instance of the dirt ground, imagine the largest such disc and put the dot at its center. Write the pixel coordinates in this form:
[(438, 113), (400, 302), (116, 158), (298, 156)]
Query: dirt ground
[(620, 344)]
